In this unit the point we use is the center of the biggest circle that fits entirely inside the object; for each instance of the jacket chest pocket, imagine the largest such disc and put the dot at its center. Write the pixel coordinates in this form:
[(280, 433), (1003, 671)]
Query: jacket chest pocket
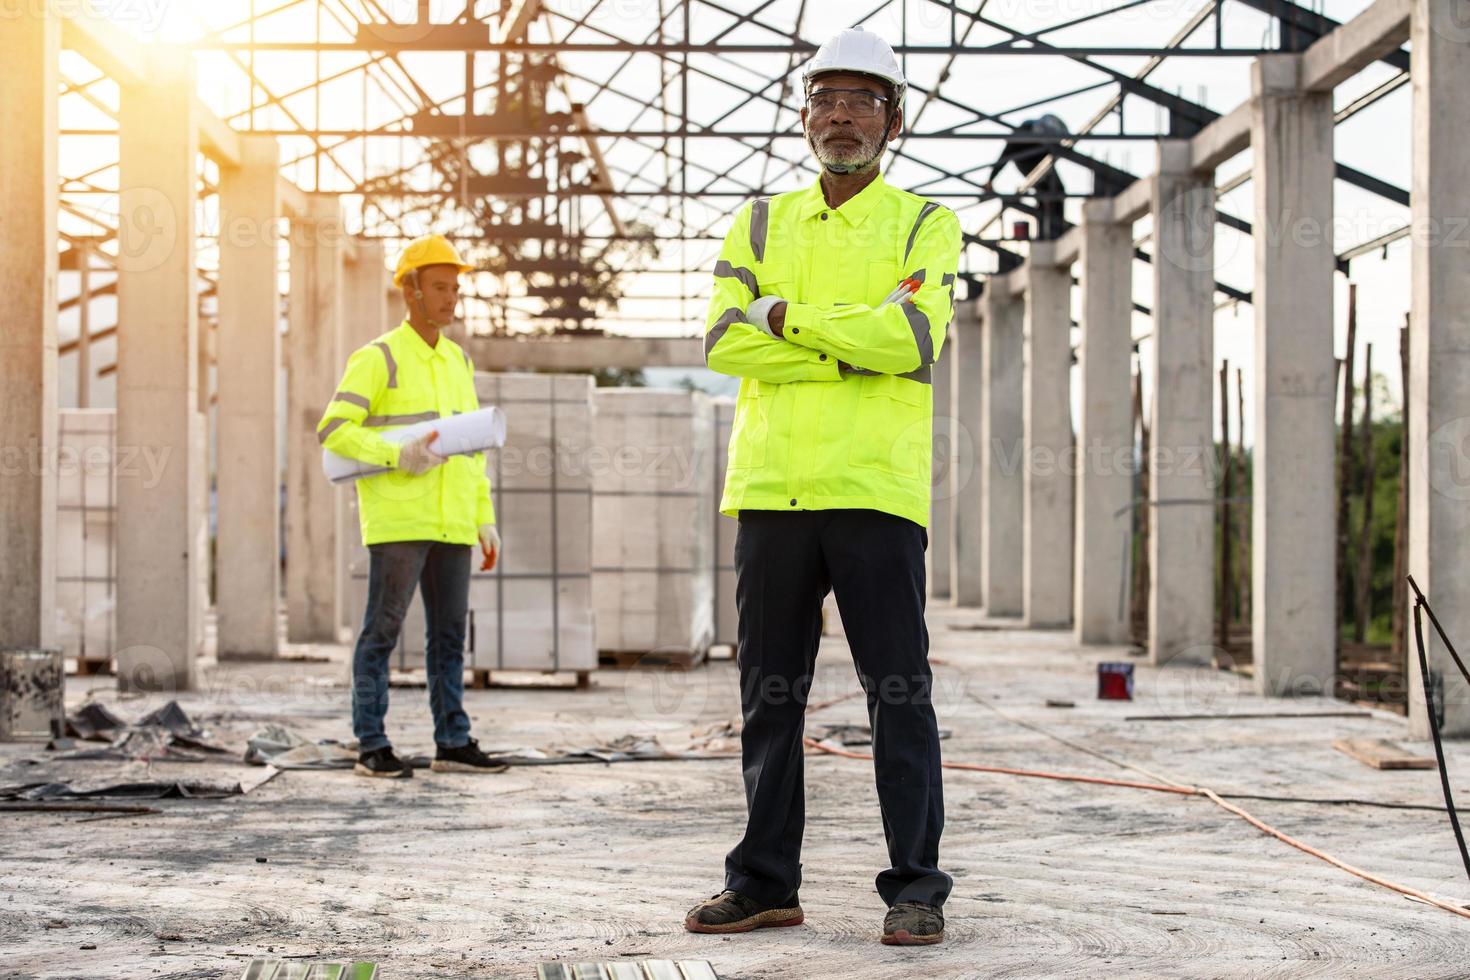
[(778, 278), (892, 429), (881, 277)]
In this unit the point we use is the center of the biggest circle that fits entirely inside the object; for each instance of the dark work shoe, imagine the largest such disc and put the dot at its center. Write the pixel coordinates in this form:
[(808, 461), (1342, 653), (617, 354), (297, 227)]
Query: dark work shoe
[(382, 764), (466, 758), (730, 911), (913, 924)]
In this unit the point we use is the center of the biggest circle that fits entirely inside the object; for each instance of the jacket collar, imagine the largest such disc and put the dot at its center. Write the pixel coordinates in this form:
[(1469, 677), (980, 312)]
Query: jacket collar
[(415, 343), (856, 209)]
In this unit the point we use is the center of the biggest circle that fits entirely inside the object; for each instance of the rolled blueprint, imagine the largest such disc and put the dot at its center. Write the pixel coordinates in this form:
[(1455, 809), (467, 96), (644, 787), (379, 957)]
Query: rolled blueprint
[(459, 435)]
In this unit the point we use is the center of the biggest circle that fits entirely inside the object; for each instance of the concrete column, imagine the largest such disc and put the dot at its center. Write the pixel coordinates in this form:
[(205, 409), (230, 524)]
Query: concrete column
[(1439, 351), (365, 306), (158, 381), (365, 297), (248, 550), (1049, 463), (1105, 430), (1181, 493), (967, 506), (314, 361), (1001, 452), (942, 488), (84, 324), (30, 47), (1293, 583)]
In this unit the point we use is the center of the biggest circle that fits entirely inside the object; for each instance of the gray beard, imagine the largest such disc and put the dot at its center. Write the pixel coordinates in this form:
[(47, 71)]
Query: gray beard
[(852, 157)]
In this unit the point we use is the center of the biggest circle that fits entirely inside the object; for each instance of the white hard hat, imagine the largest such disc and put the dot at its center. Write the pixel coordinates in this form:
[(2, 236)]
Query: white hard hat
[(856, 51)]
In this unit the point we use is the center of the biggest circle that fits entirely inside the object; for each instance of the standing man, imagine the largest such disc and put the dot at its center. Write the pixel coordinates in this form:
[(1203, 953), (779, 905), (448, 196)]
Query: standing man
[(421, 520), (829, 478)]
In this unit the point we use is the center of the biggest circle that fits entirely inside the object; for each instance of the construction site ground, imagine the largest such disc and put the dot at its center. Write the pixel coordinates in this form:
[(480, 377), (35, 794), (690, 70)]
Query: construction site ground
[(485, 876)]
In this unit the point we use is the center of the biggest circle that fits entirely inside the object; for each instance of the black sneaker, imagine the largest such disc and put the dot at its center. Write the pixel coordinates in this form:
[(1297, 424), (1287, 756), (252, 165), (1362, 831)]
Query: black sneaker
[(913, 924), (730, 911), (382, 764), (466, 758)]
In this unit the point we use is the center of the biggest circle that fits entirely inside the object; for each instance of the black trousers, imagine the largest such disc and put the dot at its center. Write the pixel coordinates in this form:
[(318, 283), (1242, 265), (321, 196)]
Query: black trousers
[(785, 563)]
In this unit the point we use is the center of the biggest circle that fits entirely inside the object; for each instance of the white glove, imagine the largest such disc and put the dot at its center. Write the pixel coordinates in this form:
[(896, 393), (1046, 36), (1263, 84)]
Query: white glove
[(416, 458), (758, 310), (489, 546)]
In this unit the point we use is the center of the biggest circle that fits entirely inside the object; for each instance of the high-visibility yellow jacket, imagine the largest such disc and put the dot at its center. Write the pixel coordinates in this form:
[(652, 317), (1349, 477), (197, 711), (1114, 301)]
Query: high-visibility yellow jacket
[(397, 380), (807, 434)]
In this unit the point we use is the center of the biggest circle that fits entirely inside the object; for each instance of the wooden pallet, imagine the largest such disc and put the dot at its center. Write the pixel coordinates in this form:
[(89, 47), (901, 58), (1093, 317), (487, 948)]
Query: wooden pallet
[(655, 659), (93, 668), (547, 680), (482, 679)]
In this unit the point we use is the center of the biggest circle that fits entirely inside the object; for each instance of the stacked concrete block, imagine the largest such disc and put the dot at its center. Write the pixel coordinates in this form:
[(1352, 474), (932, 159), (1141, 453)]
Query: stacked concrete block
[(653, 505), (86, 519), (726, 614), (533, 611)]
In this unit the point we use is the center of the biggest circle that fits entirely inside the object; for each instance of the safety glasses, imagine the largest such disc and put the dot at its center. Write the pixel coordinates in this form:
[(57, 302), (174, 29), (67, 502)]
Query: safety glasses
[(861, 104)]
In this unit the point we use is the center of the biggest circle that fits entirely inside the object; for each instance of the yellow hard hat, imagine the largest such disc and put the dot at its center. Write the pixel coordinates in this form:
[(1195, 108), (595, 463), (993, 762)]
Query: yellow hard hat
[(428, 250)]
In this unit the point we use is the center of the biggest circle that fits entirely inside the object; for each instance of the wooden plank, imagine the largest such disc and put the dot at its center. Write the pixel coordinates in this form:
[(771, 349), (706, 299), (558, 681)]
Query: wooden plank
[(671, 659), (1252, 716), (1380, 753)]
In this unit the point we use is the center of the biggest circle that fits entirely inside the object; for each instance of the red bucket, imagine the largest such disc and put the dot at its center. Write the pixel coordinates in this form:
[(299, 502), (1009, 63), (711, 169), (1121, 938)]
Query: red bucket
[(1115, 682)]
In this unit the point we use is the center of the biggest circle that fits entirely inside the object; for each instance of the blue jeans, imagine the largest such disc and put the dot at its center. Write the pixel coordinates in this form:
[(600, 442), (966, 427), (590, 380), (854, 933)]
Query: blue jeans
[(442, 574)]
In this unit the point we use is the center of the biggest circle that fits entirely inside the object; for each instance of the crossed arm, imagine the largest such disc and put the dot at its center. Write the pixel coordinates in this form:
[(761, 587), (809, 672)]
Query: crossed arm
[(809, 340)]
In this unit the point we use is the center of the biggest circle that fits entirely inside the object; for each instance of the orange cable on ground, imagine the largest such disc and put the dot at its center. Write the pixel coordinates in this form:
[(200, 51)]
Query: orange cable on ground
[(1208, 794)]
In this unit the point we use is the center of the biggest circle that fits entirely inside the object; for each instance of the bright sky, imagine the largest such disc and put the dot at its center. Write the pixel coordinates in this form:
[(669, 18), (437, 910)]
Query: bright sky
[(720, 88)]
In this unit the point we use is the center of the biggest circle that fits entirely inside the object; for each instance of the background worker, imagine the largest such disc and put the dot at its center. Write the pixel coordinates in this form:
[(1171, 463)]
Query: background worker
[(1026, 150), (829, 475), (421, 520)]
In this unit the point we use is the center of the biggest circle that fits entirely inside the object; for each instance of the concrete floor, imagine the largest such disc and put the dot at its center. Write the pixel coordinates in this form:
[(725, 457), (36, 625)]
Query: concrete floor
[(466, 876)]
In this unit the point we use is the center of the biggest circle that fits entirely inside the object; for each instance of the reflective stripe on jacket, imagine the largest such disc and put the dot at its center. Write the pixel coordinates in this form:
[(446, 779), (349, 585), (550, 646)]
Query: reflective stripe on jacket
[(397, 380), (806, 435)]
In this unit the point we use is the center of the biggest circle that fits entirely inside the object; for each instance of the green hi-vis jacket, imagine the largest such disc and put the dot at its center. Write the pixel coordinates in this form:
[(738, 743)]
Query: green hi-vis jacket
[(807, 434), (394, 381)]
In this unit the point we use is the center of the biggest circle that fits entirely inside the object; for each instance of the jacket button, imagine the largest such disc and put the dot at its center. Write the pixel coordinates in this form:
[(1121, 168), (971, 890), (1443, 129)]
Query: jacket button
[(793, 501), (822, 357), (824, 215), (796, 330)]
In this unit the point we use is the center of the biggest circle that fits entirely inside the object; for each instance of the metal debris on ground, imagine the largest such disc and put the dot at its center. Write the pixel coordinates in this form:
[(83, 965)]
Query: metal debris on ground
[(167, 789), (93, 722), (286, 749), (165, 735), (628, 970), (298, 970)]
